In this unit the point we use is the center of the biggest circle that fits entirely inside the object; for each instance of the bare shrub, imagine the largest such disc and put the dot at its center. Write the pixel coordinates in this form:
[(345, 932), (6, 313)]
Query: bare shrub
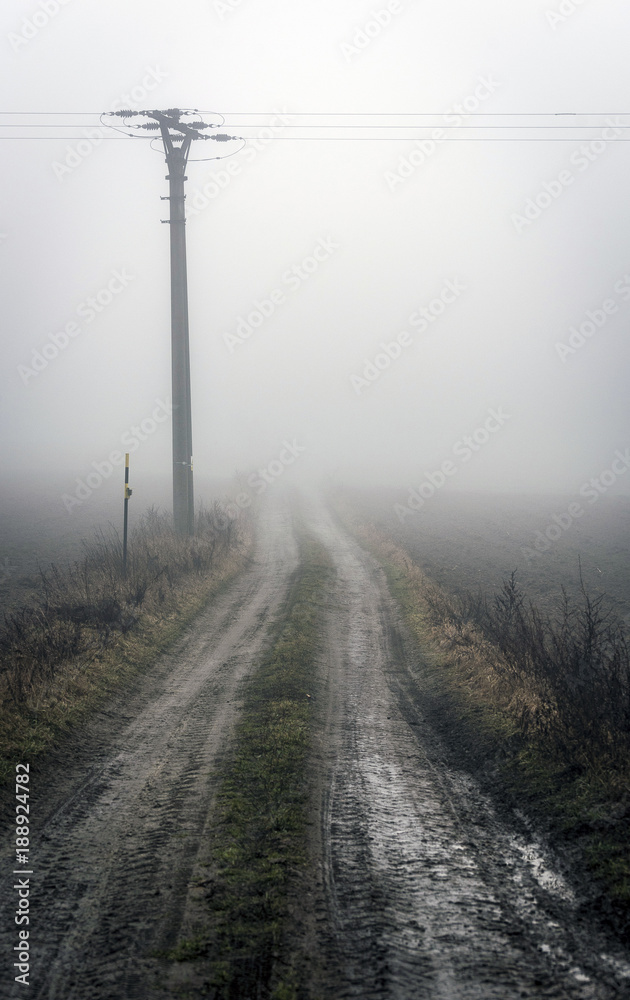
[(84, 607), (575, 658)]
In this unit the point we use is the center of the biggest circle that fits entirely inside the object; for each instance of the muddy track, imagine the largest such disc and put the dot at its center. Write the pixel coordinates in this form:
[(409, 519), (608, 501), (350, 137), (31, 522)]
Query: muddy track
[(429, 893), (424, 891), (116, 822)]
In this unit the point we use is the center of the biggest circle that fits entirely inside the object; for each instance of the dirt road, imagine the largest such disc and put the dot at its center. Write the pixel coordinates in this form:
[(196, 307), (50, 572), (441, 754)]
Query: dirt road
[(429, 893), (115, 830), (425, 892)]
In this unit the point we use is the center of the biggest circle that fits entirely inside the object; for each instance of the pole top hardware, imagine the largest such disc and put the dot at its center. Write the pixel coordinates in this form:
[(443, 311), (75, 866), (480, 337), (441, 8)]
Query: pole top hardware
[(178, 127)]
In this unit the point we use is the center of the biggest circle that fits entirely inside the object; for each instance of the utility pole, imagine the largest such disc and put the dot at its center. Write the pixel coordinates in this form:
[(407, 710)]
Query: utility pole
[(177, 138), (176, 150)]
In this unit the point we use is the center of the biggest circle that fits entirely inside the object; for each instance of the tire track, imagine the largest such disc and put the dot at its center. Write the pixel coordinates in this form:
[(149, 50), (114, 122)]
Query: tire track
[(430, 894), (115, 839)]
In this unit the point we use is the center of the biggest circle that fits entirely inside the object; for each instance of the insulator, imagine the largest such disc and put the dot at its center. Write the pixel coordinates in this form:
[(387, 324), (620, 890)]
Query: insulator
[(220, 137)]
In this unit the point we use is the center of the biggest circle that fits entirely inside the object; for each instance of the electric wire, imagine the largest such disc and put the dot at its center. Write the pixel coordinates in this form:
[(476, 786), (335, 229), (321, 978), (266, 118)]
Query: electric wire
[(357, 114), (293, 131)]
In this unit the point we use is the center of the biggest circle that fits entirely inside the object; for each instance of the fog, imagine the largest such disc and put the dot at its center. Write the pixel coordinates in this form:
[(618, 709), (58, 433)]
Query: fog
[(372, 304)]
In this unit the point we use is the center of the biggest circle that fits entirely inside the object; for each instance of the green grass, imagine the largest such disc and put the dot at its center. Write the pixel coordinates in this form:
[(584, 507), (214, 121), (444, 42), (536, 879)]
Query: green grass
[(258, 851)]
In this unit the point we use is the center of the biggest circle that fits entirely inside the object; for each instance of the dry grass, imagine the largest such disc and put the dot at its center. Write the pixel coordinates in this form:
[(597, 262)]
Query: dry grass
[(563, 676), (572, 663), (90, 627), (474, 666)]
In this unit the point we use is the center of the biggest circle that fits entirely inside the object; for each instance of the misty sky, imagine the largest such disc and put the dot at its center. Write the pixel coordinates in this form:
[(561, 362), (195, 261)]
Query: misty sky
[(505, 245)]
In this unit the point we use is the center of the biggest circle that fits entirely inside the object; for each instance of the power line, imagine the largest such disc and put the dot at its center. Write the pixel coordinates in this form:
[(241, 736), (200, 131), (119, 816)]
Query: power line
[(432, 114), (312, 138), (350, 126), (409, 135), (330, 138), (357, 114), (294, 131), (469, 128)]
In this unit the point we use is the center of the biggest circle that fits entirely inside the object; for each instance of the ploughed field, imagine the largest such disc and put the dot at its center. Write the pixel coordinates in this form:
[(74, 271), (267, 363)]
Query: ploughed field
[(467, 541)]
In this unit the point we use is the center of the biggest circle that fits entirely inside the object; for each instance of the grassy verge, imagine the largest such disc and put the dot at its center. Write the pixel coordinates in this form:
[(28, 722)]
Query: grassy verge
[(90, 629), (258, 851), (503, 724)]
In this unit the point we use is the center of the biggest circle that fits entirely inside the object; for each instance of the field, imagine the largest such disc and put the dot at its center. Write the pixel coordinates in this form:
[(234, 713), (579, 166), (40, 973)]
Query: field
[(471, 541)]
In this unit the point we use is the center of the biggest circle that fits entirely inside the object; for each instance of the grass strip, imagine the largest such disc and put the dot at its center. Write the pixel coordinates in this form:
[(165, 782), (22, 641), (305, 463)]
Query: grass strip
[(583, 803), (258, 851)]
